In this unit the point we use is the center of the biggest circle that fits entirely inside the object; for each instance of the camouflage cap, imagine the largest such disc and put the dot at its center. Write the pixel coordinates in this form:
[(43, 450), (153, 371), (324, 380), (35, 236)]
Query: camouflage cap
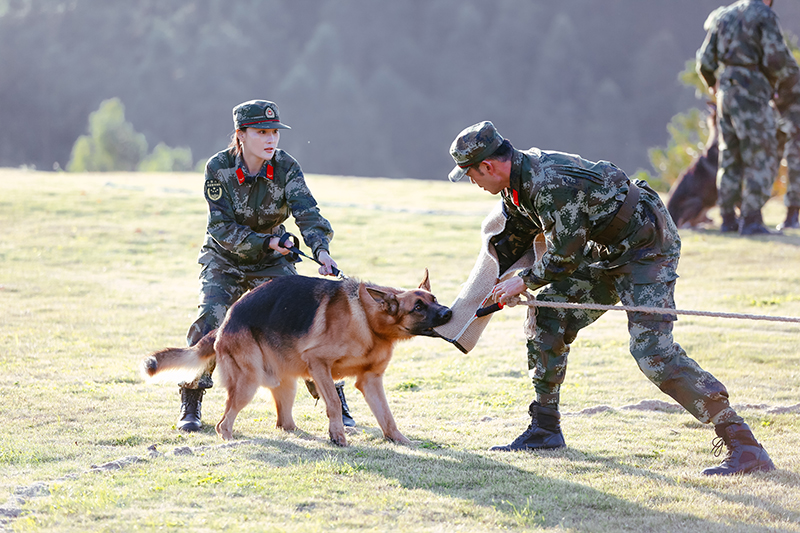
[(260, 114), (472, 146)]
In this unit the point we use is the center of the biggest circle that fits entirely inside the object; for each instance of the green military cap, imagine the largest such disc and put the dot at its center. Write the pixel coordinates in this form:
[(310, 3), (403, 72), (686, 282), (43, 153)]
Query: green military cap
[(260, 114), (472, 146)]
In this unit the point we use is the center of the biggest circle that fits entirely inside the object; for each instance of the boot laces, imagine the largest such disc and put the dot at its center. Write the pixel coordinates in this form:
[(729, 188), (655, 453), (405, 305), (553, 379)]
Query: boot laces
[(191, 403), (717, 445), (525, 434)]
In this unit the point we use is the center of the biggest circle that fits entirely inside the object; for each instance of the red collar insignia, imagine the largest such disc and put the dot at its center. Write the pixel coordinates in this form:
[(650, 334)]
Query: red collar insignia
[(240, 175), (269, 170), (515, 197)]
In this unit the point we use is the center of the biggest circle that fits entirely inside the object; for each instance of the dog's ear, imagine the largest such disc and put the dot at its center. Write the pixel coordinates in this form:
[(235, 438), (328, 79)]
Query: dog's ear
[(426, 282), (387, 300)]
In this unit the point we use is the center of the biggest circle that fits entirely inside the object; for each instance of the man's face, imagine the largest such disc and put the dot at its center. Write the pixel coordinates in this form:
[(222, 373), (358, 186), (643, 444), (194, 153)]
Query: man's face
[(485, 176)]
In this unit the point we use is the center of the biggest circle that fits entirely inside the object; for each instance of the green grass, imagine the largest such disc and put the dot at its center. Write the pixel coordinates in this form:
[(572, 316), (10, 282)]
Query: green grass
[(98, 270)]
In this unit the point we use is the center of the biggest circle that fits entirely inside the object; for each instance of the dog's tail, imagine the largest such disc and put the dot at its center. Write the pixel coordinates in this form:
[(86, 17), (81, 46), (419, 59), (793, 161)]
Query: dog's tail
[(186, 362)]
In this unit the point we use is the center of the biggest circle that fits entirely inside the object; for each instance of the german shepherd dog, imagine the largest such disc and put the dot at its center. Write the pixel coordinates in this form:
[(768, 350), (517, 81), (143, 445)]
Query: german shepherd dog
[(695, 190), (303, 327)]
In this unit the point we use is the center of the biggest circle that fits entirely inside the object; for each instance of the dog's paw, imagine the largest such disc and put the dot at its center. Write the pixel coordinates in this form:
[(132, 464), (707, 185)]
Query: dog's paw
[(339, 440), (399, 438)]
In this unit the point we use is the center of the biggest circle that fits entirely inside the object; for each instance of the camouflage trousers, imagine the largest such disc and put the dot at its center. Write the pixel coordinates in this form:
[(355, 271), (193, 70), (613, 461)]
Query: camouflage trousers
[(747, 151), (659, 357), (220, 287), (789, 146)]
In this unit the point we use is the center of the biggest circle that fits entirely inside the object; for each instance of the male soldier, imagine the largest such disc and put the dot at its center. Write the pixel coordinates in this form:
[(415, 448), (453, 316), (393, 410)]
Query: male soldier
[(745, 42), (608, 240)]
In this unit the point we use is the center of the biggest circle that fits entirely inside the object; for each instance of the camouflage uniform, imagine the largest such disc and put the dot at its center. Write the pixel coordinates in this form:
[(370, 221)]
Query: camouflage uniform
[(572, 200), (243, 213), (745, 42), (608, 240)]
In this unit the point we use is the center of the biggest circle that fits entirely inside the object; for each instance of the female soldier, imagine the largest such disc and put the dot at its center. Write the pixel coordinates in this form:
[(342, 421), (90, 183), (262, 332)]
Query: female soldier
[(251, 187)]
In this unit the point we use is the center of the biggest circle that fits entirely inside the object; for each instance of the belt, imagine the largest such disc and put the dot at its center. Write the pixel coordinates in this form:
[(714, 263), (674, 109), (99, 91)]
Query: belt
[(621, 217)]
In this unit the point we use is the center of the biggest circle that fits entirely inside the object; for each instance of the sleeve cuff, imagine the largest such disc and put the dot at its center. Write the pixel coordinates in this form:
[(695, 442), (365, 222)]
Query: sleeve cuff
[(532, 281)]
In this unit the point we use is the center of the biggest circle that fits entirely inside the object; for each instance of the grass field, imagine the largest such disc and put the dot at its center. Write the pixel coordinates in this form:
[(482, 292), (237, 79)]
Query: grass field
[(98, 270)]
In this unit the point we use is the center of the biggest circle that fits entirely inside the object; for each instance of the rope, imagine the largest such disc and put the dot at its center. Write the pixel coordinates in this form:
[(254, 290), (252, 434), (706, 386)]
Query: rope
[(531, 302)]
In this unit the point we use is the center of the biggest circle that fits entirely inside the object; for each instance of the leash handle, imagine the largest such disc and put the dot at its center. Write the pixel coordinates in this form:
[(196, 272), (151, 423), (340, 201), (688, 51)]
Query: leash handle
[(295, 249), (489, 309)]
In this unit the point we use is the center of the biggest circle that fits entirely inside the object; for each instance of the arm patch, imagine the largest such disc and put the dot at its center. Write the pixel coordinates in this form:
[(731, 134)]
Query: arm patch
[(213, 189)]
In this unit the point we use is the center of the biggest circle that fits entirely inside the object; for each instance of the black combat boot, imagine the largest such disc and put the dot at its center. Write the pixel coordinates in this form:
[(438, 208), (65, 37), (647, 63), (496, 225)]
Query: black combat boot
[(191, 400), (347, 419), (753, 224), (791, 221), (544, 432), (729, 223), (745, 454)]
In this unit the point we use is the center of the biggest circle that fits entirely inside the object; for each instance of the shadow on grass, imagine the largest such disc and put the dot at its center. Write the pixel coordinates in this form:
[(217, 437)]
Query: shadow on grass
[(524, 497), (782, 478), (791, 237)]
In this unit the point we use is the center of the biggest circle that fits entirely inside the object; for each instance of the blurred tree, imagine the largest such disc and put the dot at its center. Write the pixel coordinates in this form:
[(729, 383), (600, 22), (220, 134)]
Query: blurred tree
[(688, 134), (112, 143), (166, 159), (545, 72)]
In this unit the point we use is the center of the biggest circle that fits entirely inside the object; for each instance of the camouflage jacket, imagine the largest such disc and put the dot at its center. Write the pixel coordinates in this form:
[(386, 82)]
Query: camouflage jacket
[(746, 42), (571, 200), (244, 210)]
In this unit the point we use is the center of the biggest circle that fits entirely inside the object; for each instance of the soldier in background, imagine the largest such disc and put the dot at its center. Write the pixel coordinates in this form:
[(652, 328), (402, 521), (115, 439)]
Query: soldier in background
[(251, 187), (608, 240), (745, 44), (788, 104)]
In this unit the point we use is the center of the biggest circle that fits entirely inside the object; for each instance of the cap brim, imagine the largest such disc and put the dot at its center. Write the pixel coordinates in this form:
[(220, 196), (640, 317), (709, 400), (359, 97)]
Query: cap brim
[(266, 125), (457, 173)]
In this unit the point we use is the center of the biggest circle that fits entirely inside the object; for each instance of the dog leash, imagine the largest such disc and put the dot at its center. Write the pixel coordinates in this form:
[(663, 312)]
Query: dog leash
[(295, 249), (530, 301)]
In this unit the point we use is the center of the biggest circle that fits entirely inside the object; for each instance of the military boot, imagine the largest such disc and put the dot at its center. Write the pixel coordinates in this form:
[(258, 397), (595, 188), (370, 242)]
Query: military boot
[(347, 419), (543, 433), (745, 454), (191, 401), (791, 219), (729, 223), (753, 224)]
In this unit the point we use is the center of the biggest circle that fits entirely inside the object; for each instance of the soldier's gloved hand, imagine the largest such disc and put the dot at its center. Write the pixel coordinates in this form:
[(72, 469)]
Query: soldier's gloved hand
[(328, 266)]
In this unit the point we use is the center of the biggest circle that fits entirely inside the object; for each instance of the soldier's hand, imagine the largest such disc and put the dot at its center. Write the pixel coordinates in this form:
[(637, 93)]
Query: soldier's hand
[(510, 288), (328, 266), (275, 244)]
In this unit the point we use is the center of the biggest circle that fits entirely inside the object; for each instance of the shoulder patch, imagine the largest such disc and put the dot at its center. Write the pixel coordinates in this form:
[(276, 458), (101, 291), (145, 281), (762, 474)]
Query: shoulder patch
[(213, 189)]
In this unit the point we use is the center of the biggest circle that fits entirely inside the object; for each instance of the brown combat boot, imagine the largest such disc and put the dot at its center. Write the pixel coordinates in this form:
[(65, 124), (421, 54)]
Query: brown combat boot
[(745, 454)]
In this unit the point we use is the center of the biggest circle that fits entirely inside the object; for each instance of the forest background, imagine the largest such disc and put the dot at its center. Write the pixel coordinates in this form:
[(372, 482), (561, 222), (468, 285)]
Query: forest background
[(369, 88)]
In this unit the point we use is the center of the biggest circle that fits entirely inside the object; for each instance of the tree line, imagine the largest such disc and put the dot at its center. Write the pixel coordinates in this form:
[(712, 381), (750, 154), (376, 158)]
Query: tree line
[(369, 88)]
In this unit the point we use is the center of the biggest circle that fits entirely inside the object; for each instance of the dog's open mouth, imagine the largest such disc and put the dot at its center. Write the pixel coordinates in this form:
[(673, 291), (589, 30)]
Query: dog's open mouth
[(428, 333)]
